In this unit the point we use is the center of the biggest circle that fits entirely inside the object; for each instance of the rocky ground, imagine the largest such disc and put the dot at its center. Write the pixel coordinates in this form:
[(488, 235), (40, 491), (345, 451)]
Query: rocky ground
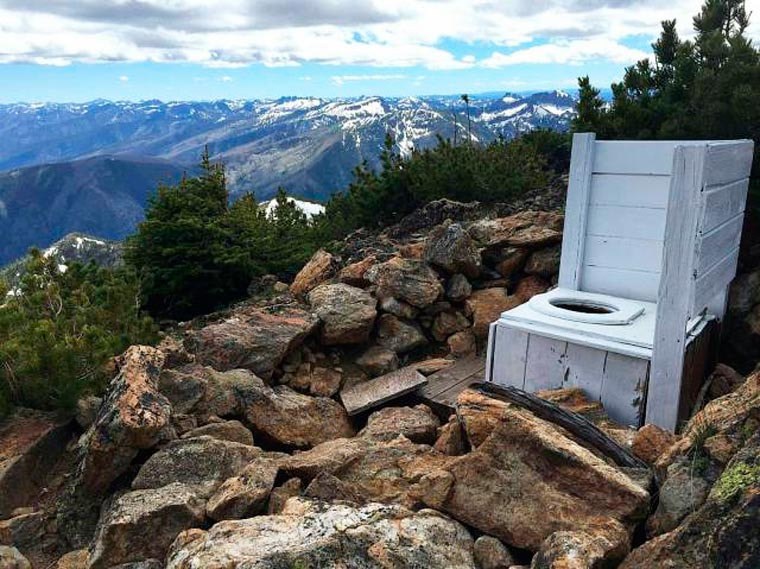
[(228, 444)]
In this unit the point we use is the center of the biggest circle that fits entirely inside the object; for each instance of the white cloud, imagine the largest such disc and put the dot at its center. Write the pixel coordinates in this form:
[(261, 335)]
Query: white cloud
[(341, 79), (226, 79), (383, 33), (574, 52), (123, 78)]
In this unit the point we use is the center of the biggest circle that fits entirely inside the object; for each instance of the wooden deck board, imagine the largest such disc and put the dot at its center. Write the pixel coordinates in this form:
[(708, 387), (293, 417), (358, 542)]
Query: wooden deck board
[(444, 386)]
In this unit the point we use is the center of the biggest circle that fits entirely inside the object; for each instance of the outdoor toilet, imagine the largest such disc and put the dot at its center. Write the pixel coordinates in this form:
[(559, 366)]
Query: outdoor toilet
[(650, 246)]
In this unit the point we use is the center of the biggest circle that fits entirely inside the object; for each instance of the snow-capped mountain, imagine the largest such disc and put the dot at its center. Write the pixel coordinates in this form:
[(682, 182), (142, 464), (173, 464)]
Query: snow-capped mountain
[(310, 209), (309, 145)]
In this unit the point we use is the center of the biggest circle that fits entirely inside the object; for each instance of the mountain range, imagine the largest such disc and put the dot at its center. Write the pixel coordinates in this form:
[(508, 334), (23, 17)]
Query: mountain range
[(90, 167)]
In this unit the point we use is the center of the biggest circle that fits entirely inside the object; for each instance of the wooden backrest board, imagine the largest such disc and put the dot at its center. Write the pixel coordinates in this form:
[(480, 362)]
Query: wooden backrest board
[(617, 214)]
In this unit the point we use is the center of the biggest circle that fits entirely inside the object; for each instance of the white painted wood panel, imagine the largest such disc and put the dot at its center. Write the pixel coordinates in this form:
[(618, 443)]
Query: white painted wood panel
[(585, 369), (635, 285), (625, 190), (673, 297), (713, 282), (576, 210), (721, 203), (623, 253), (728, 162), (634, 157), (512, 347), (712, 246), (545, 367), (620, 221), (624, 388)]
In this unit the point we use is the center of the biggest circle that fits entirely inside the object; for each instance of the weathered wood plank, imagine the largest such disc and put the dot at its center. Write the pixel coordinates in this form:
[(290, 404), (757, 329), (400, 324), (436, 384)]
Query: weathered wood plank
[(442, 380), (666, 372), (545, 367), (624, 388), (576, 210), (721, 203), (713, 246), (574, 423), (634, 157), (377, 391), (631, 191), (728, 162), (634, 285), (632, 222), (512, 347), (585, 369), (623, 253), (711, 283)]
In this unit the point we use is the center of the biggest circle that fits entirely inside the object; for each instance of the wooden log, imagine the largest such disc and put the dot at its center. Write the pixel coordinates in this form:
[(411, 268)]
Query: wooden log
[(574, 423)]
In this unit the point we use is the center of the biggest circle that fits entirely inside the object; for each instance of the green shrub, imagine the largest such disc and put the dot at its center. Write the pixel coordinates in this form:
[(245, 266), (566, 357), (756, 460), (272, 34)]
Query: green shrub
[(61, 327)]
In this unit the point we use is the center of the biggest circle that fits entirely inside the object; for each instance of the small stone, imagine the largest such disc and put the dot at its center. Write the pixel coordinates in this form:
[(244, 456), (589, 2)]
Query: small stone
[(490, 553), (413, 282), (511, 260), (459, 288), (451, 440), (77, 559), (448, 323), (320, 267), (354, 274), (650, 442), (86, 410), (487, 306), (398, 335), (452, 249), (462, 343), (432, 365), (544, 262), (683, 492), (290, 488), (378, 360), (347, 313), (398, 308), (530, 286), (724, 380)]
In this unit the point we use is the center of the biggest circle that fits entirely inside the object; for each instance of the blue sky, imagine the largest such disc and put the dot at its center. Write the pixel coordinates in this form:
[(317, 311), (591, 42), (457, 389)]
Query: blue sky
[(60, 50)]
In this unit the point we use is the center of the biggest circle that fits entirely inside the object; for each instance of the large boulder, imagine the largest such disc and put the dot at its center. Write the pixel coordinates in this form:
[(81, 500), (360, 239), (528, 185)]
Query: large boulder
[(141, 525), (201, 463), (11, 558), (447, 323), (347, 313), (683, 492), (354, 274), (253, 338), (527, 480), (458, 288), (285, 417), (452, 249), (531, 229), (730, 416), (418, 424), (30, 444), (375, 470), (723, 532), (133, 416), (320, 267), (487, 305), (315, 534), (398, 334), (405, 279)]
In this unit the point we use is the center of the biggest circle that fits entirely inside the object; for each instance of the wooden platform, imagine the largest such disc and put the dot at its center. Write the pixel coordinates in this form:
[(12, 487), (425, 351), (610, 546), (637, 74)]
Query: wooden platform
[(443, 387)]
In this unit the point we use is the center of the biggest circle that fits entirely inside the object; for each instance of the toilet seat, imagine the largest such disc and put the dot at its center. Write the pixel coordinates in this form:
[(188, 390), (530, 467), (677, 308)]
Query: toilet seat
[(593, 308)]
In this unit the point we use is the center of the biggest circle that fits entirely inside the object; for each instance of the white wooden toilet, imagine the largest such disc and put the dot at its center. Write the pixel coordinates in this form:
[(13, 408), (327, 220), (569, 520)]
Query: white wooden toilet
[(650, 246)]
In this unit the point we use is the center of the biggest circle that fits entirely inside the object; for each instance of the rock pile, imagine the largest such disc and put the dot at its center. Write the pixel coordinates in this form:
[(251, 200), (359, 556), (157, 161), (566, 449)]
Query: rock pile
[(230, 447)]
